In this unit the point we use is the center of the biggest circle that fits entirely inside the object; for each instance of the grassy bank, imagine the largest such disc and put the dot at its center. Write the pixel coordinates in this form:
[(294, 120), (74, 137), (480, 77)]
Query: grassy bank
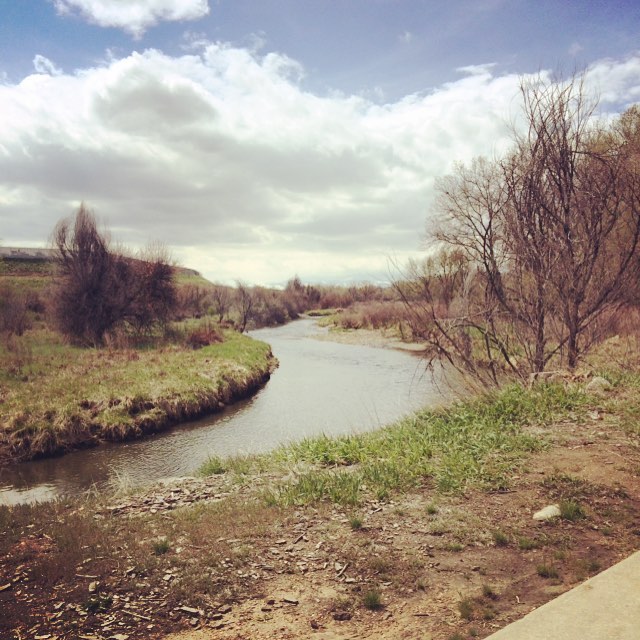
[(476, 443), (56, 397)]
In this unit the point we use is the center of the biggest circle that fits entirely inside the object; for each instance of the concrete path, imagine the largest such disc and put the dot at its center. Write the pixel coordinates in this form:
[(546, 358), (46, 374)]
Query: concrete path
[(606, 607)]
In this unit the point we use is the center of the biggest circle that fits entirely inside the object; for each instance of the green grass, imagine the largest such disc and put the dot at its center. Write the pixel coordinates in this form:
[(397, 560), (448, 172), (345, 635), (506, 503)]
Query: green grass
[(547, 571), (372, 600), (479, 442), (56, 396), (571, 510), (474, 443)]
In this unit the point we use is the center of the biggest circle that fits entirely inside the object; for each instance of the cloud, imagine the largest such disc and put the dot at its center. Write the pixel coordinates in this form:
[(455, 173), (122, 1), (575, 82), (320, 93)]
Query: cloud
[(45, 66), (134, 16), (227, 159), (406, 37), (575, 49)]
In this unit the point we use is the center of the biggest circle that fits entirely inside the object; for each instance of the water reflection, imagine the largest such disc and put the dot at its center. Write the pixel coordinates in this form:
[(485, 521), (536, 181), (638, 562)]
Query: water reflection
[(319, 387)]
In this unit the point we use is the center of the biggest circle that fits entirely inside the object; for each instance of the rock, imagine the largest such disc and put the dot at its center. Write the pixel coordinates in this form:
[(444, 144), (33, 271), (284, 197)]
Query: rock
[(93, 587), (191, 610), (552, 511), (341, 616), (598, 386)]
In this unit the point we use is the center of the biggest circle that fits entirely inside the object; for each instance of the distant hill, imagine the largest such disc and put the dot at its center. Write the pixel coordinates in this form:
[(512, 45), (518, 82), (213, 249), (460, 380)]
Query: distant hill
[(22, 254), (19, 253)]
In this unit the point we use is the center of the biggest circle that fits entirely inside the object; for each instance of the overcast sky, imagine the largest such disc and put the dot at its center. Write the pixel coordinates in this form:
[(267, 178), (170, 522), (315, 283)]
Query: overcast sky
[(260, 139)]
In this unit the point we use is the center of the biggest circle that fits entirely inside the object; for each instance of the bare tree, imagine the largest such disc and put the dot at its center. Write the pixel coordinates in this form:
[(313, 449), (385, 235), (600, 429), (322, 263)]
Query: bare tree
[(552, 229), (102, 290), (221, 299), (244, 302)]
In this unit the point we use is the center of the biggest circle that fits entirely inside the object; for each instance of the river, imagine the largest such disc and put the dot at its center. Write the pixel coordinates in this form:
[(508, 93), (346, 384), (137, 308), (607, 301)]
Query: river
[(319, 387)]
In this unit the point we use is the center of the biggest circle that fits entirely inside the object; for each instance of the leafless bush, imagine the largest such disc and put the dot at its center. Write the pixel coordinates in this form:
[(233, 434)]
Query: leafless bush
[(550, 234), (203, 336), (102, 290), (14, 307)]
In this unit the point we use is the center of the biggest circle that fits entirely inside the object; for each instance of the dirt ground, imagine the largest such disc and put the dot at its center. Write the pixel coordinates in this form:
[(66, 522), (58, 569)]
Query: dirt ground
[(442, 591), (420, 566)]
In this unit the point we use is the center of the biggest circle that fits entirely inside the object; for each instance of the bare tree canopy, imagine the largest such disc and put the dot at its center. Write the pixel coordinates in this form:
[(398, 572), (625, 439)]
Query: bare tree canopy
[(102, 290), (551, 234)]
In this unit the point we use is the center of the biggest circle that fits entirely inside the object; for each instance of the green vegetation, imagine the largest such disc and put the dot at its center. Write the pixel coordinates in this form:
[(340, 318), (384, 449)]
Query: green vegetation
[(473, 443), (500, 539), (571, 510), (372, 599), (546, 571), (57, 396)]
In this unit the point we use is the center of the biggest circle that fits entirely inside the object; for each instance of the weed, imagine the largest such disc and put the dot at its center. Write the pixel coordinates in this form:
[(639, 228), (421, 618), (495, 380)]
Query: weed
[(489, 592), (546, 571), (466, 608), (432, 509), (456, 547), (215, 465), (372, 599), (526, 544), (500, 539), (571, 510), (589, 566), (160, 547), (98, 603), (355, 522), (380, 565)]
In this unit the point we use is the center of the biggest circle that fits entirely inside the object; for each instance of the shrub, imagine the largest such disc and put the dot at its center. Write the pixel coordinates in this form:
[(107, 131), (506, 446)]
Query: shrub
[(102, 291)]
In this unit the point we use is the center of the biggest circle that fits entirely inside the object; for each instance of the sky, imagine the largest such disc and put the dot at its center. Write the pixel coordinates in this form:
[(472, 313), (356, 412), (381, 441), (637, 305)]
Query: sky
[(262, 139)]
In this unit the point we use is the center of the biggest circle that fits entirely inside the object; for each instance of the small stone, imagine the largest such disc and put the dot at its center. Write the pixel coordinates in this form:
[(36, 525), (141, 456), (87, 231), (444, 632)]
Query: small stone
[(314, 624), (190, 610), (552, 511), (289, 600), (93, 587), (341, 616), (598, 386)]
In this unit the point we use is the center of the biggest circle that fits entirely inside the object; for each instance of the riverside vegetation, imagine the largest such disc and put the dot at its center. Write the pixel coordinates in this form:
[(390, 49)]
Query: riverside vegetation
[(424, 527)]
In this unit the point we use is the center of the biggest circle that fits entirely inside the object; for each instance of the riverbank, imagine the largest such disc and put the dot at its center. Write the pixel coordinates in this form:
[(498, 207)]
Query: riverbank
[(56, 398), (326, 539)]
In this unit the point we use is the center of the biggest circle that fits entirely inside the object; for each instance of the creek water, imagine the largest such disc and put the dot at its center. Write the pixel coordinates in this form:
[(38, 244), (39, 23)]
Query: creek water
[(319, 387)]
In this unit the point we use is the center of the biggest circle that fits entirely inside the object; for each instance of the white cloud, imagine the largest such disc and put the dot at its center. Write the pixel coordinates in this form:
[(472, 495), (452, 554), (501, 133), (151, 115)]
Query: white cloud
[(406, 37), (45, 66), (224, 157), (134, 16), (575, 49)]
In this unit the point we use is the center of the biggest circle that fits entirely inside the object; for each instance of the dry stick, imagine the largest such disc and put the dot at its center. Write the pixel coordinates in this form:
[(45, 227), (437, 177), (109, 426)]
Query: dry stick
[(135, 615)]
